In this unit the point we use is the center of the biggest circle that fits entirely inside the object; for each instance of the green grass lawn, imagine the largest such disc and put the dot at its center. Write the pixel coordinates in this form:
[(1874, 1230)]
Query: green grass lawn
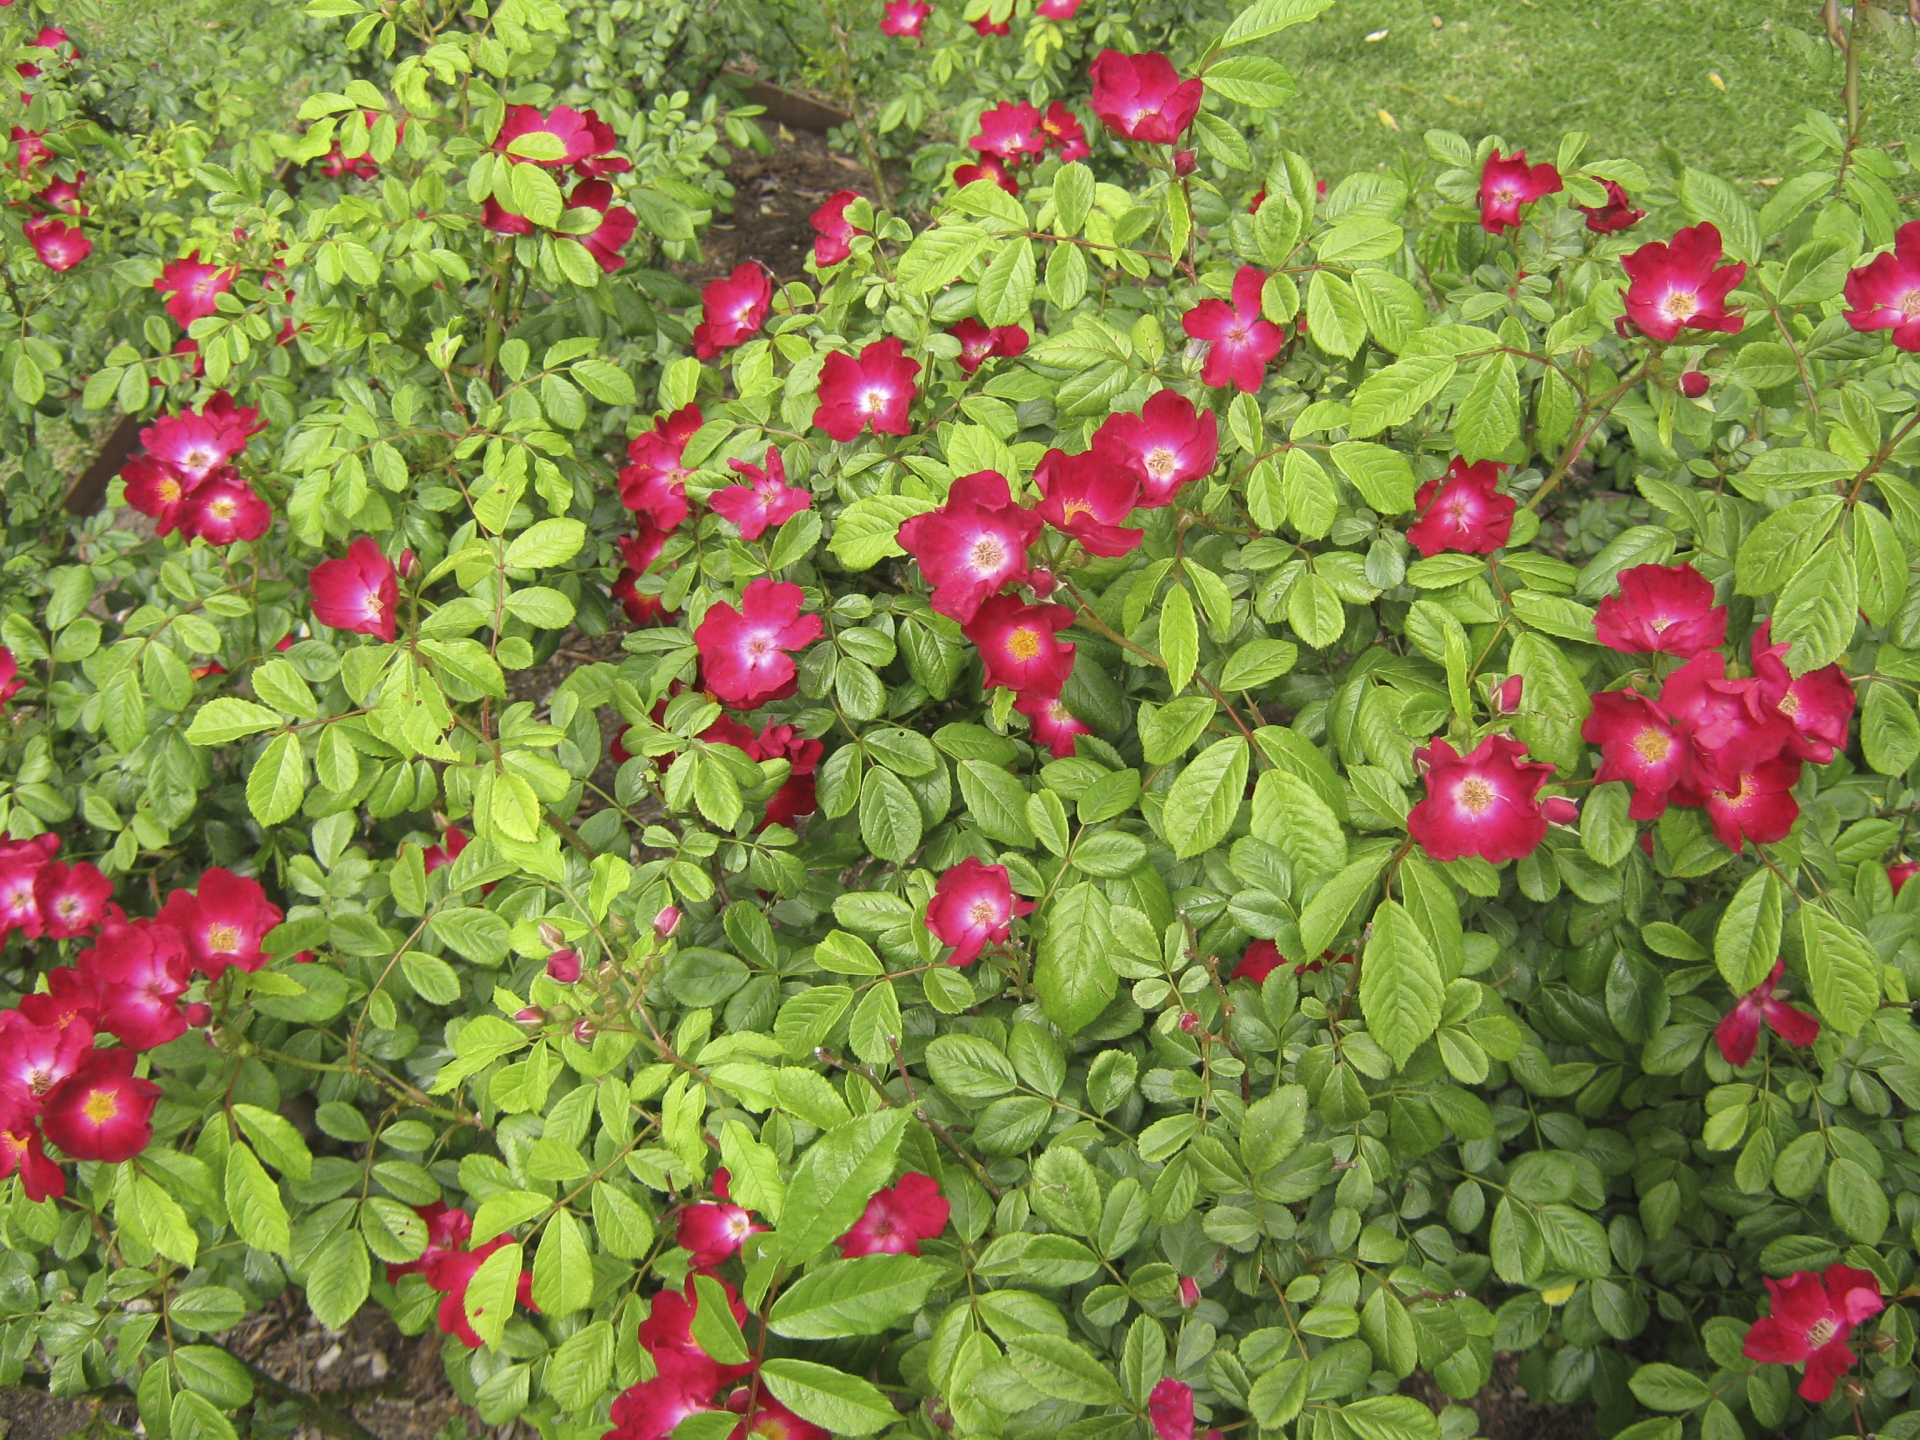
[(1634, 74)]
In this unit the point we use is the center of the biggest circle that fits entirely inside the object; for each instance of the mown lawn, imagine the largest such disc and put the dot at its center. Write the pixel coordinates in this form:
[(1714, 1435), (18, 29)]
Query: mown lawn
[(1634, 74)]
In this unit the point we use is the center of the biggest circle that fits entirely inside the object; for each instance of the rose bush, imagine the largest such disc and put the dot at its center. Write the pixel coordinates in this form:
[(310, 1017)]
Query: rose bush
[(1219, 786)]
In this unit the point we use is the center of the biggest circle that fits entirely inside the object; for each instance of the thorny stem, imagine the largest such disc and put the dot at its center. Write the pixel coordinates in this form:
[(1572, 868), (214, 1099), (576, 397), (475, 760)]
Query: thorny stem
[(1850, 91)]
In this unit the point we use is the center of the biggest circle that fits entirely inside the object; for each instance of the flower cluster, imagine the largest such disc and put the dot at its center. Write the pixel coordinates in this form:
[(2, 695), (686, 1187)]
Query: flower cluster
[(561, 139), (687, 1381), (183, 475), (1014, 131), (1732, 746), (448, 1266), (54, 232), (130, 985)]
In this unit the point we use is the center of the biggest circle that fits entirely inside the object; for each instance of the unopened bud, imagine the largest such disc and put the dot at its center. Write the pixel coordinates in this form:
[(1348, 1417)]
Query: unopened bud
[(1694, 384), (1854, 1390), (406, 562), (532, 1017), (1185, 162), (667, 921), (608, 972), (550, 936), (616, 924), (1042, 583), (199, 1013), (1559, 810), (1506, 695), (1189, 1292), (584, 1031), (1189, 1022), (563, 966)]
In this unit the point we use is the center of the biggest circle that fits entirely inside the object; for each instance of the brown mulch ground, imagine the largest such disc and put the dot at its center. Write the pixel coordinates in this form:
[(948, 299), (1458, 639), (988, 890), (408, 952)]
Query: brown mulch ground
[(1506, 1412), (774, 196)]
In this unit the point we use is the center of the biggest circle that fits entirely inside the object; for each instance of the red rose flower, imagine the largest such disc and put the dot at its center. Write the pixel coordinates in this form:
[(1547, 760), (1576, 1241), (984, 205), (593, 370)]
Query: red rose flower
[(988, 168), (744, 655), (905, 17), (63, 196), (359, 592), (138, 969), (1018, 644), (19, 906), (1898, 874), (1507, 184), (1463, 512), (987, 25), (1057, 9), (21, 1153), (833, 233), (1170, 1408), (1884, 293), (1675, 286), (1755, 805), (1063, 132), (36, 1058), (978, 344), (714, 1233), (585, 139), (1142, 97), (446, 852), (1010, 132), (653, 482), (1167, 444), (797, 796), (1818, 705), (223, 509), (100, 1111), (733, 309), (194, 287), (1667, 609), (874, 390), (1731, 724), (1259, 960), (155, 488), (195, 443), (638, 551), (448, 1230), (650, 1410), (1240, 341), (1739, 1030), (766, 500), (973, 906), (29, 150), (1811, 1320), (1479, 804), (898, 1218), (771, 1421), (57, 245), (1051, 723), (223, 922), (1616, 215), (1088, 497), (71, 899), (10, 681), (1640, 744), (617, 223), (69, 997), (496, 218)]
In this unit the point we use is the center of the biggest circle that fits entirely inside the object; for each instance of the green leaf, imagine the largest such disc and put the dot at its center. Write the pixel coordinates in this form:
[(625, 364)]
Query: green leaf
[(254, 1205), (1780, 544), (1326, 913), (1708, 197), (1005, 296), (1289, 813), (865, 532), (1817, 611), (1205, 798), (225, 719), (1668, 1388), (580, 1370), (1400, 986), (490, 1294), (1265, 17), (829, 1398), (546, 543), (714, 1329), (1857, 1200), (1252, 80), (1062, 1369), (939, 256), (1383, 477), (338, 1279), (276, 1139), (995, 801), (1844, 969), (1073, 976), (1488, 420), (1889, 731), (835, 1179), (1394, 395), (865, 1296), (1334, 318), (278, 781), (889, 816), (1179, 638), (562, 1268)]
